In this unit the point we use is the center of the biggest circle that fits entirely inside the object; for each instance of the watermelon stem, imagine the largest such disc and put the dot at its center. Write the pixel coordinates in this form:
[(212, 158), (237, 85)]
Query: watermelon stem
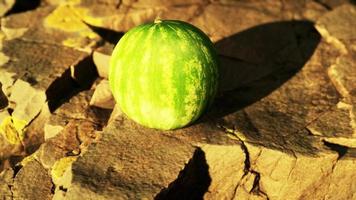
[(157, 20)]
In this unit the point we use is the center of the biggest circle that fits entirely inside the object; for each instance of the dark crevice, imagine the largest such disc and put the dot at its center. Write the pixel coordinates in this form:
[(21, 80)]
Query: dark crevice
[(118, 4), (62, 188), (4, 102), (53, 188), (247, 166), (247, 158), (16, 169), (256, 185), (10, 111), (331, 4), (23, 6), (10, 189), (322, 3), (340, 149), (192, 182), (74, 80)]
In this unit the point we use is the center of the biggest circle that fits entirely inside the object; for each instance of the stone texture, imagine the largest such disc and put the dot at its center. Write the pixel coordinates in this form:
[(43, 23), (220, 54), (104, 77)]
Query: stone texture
[(134, 159), (340, 23), (102, 62), (37, 78), (102, 96), (37, 75), (32, 177), (6, 183), (282, 126), (51, 25), (342, 74)]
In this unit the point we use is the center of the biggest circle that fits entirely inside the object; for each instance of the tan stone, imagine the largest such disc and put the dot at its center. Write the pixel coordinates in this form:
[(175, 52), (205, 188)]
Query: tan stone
[(102, 62), (340, 23), (131, 161), (52, 26), (226, 169), (6, 182), (32, 177), (102, 96), (5, 6)]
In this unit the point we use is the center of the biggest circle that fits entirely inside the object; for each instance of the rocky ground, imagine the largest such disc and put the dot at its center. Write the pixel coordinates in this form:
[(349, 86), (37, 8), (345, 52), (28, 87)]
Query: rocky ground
[(282, 127)]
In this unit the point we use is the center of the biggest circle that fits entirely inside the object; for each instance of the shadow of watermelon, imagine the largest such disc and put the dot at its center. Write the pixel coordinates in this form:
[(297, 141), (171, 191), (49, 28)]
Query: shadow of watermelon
[(253, 64), (257, 61)]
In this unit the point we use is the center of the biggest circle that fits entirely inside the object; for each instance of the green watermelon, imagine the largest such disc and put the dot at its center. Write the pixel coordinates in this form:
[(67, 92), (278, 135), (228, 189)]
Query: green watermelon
[(164, 74)]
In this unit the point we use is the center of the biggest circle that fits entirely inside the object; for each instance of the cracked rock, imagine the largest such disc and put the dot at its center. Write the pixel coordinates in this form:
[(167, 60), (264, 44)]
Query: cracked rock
[(338, 26), (282, 125), (51, 25), (32, 177), (127, 157)]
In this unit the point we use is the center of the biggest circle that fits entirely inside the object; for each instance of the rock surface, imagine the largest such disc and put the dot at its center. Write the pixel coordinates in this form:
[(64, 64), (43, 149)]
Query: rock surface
[(283, 125)]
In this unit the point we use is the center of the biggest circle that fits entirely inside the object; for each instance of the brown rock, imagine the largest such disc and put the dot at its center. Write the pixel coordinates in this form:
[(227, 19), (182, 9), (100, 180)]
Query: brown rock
[(6, 183), (327, 126), (36, 71), (131, 161), (226, 169), (37, 75), (338, 27), (102, 62), (27, 101), (30, 178), (78, 108), (73, 126), (102, 96), (343, 130), (334, 22), (65, 143), (50, 25), (342, 73)]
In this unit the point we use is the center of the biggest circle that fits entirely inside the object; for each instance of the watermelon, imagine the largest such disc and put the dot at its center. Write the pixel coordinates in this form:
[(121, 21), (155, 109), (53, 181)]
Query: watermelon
[(164, 74)]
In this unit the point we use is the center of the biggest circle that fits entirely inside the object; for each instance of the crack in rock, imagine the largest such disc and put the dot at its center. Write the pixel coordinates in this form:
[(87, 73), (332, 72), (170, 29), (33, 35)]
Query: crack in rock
[(323, 4), (256, 185), (340, 149), (247, 165), (4, 102)]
